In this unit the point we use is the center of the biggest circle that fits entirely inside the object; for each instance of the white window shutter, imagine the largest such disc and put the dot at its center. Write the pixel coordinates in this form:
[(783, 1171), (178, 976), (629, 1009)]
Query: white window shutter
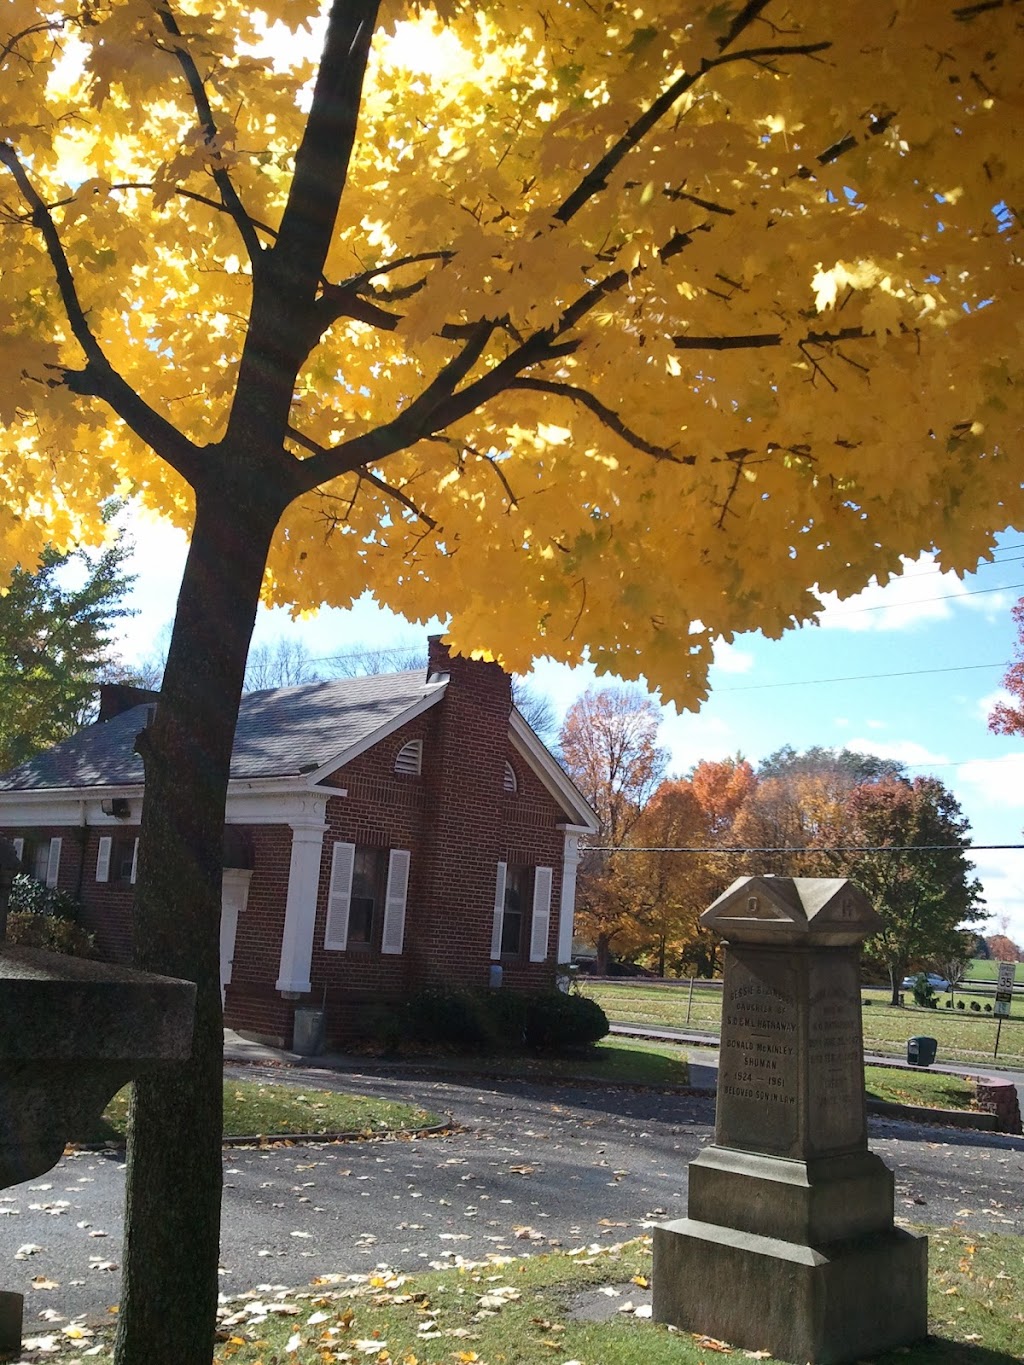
[(541, 914), (19, 848), (103, 858), (53, 862), (393, 936), (339, 897), (135, 862), (499, 913)]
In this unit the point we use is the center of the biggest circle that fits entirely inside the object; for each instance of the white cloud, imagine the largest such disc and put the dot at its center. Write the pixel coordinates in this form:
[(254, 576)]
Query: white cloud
[(877, 724), (732, 660), (919, 596), (903, 750), (998, 781), (1000, 871), (984, 706)]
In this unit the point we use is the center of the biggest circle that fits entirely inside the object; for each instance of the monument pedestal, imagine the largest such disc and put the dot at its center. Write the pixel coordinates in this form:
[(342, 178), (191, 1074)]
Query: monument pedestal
[(789, 1245), (829, 1304)]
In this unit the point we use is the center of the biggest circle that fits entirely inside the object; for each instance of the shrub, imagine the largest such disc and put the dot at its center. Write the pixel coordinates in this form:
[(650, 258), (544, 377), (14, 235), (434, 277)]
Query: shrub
[(988, 1009), (502, 1020), (949, 1004), (975, 1007), (554, 1020), (31, 929), (924, 991), (33, 898), (960, 1005)]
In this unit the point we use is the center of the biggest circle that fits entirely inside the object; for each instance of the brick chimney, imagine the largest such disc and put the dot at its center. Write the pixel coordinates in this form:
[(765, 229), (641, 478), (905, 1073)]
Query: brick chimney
[(116, 698)]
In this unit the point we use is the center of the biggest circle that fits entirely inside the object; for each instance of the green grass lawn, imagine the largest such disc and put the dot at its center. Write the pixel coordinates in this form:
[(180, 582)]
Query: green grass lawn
[(963, 1035), (252, 1108), (985, 969), (522, 1311)]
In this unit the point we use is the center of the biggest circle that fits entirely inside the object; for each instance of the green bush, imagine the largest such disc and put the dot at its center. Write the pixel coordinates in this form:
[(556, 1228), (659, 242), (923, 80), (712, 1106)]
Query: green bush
[(924, 991), (52, 932), (33, 898), (960, 1005), (975, 1007), (555, 1020), (988, 1009), (502, 1020)]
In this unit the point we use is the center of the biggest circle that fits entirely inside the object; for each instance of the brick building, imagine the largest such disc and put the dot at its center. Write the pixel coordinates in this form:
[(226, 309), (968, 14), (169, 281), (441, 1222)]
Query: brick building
[(383, 833)]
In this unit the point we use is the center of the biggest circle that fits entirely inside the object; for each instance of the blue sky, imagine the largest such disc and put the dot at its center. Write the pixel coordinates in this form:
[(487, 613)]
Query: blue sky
[(909, 671)]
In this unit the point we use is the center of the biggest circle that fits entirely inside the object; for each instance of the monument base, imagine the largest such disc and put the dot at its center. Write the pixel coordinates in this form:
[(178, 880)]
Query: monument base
[(12, 1308), (826, 1305)]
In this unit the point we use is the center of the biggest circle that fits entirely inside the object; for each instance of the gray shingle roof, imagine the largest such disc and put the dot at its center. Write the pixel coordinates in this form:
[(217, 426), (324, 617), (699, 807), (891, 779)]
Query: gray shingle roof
[(281, 732)]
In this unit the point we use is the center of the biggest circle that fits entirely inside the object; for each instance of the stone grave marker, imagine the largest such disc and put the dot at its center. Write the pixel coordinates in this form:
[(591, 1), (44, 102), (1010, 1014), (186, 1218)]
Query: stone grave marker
[(789, 1244)]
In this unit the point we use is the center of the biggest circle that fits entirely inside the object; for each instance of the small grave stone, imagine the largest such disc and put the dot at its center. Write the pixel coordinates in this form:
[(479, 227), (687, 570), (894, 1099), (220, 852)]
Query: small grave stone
[(789, 1244)]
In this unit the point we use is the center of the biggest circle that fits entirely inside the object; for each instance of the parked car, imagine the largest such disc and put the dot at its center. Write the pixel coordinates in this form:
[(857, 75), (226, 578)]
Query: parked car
[(937, 983)]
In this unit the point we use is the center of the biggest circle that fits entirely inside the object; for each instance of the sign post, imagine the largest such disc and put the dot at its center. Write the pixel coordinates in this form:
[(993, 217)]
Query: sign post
[(1004, 995)]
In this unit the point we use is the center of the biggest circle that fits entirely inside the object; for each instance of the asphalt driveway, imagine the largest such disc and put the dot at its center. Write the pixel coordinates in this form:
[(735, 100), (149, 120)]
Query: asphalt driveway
[(533, 1167)]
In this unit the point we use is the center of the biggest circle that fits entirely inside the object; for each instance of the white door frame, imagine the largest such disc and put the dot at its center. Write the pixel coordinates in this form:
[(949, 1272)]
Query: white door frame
[(234, 896)]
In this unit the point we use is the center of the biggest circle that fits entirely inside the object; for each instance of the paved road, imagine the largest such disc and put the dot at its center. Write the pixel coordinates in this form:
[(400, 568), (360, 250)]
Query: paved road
[(534, 1167)]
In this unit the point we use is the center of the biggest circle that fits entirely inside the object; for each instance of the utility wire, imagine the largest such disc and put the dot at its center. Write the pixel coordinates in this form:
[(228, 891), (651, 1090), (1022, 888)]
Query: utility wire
[(859, 677), (839, 848)]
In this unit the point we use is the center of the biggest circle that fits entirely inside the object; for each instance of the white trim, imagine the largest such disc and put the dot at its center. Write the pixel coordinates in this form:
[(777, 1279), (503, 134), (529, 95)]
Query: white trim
[(53, 862), (103, 850), (393, 934), (300, 906), (499, 912), (339, 896), (567, 901), (561, 787), (135, 863), (19, 848), (540, 922), (430, 698)]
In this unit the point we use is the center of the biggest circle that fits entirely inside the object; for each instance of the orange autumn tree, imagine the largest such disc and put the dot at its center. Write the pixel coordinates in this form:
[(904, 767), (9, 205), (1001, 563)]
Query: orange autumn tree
[(609, 326)]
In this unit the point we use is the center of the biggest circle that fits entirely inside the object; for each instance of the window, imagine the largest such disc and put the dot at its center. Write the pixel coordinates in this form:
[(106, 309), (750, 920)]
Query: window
[(117, 859), (40, 858), (366, 899), (521, 892)]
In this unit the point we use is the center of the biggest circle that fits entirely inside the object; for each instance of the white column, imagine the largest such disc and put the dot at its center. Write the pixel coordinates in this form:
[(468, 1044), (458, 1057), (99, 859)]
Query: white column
[(300, 910), (567, 904)]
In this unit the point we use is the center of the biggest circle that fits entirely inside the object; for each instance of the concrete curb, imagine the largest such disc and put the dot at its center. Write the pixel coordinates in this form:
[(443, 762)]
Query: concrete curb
[(296, 1139)]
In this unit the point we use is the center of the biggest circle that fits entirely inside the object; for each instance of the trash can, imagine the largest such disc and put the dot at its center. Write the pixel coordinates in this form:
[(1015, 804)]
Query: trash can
[(921, 1051), (494, 975), (308, 1030)]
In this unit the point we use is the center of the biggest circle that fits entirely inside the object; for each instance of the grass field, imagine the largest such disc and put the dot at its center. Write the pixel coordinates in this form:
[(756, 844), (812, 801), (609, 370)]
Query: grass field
[(963, 1035), (521, 1311), (252, 1108), (982, 969)]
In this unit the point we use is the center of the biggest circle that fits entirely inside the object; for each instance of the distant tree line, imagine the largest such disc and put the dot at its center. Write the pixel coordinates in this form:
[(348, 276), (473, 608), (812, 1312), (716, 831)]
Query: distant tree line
[(665, 847)]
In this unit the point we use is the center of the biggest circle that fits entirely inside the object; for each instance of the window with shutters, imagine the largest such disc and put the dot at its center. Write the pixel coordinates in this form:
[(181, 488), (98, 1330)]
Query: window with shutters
[(122, 859), (366, 899), (522, 912), (40, 858), (410, 758)]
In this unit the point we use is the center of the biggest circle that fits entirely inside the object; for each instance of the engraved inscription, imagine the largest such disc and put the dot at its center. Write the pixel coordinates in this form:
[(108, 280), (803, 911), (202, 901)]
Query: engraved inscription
[(835, 1054), (757, 1092)]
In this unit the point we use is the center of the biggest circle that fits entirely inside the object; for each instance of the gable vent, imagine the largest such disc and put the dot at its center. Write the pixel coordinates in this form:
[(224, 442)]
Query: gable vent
[(511, 782), (410, 758)]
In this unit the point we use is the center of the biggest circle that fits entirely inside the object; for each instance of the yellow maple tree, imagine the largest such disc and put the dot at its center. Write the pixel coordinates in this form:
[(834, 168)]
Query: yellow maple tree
[(656, 315)]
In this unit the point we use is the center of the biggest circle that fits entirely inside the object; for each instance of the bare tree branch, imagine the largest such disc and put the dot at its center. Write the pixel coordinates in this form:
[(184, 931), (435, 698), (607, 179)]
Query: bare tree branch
[(365, 474), (208, 124), (606, 415), (99, 379)]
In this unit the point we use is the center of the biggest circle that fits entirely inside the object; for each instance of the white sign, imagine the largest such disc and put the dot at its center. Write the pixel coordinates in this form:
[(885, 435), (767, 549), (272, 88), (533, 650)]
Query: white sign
[(1004, 987)]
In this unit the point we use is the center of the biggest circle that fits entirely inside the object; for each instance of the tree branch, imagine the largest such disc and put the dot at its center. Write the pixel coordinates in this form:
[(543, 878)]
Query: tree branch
[(606, 415), (208, 125), (596, 179), (99, 379), (365, 474)]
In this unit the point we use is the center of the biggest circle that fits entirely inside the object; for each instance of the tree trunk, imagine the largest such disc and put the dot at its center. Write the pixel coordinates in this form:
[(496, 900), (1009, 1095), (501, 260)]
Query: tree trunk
[(897, 972), (172, 1236), (602, 946)]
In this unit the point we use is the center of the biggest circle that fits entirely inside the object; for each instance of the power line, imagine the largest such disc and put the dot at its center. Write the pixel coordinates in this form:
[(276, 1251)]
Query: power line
[(859, 677), (923, 601), (839, 848)]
